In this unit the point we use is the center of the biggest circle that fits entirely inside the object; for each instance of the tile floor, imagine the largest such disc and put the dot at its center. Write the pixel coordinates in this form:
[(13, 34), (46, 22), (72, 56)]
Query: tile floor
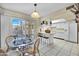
[(60, 48)]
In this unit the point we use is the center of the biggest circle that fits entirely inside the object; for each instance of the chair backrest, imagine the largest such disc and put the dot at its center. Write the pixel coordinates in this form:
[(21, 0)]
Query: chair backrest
[(8, 41), (36, 46), (2, 52)]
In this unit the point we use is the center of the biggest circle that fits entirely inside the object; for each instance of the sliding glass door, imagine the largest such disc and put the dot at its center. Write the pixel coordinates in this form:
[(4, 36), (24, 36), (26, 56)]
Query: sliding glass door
[(6, 28), (8, 24)]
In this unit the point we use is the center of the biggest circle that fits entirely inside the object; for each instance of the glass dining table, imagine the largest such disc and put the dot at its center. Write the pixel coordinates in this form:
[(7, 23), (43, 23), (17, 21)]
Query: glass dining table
[(22, 47), (21, 43)]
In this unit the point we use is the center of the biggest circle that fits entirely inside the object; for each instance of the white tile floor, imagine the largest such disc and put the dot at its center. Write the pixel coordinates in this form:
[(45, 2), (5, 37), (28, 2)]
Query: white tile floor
[(60, 48)]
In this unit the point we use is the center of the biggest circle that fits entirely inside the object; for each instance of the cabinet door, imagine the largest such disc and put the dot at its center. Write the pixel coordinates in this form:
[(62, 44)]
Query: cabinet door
[(62, 30), (73, 32), (66, 31)]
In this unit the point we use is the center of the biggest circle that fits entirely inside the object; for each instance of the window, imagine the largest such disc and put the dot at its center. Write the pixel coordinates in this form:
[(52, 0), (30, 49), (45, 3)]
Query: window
[(17, 22)]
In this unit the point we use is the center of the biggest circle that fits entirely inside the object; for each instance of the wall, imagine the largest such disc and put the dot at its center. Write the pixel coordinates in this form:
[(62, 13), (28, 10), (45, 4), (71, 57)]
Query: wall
[(62, 14), (11, 13)]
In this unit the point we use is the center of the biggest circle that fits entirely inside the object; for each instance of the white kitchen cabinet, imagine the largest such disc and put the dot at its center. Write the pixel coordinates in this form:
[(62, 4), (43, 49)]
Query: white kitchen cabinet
[(73, 31), (61, 30), (66, 30)]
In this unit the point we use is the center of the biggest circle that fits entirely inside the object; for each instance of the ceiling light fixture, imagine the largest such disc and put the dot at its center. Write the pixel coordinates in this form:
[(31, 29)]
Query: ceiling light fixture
[(35, 14)]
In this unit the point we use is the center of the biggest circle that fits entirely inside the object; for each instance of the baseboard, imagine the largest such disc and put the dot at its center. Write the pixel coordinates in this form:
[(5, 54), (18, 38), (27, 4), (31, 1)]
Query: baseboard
[(71, 41), (59, 38), (66, 40)]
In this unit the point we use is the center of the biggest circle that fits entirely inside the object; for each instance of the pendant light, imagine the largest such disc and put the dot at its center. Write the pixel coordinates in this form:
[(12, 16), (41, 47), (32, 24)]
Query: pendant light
[(35, 14)]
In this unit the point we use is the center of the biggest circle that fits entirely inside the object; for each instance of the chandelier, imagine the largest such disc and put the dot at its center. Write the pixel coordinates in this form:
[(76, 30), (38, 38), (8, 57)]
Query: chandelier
[(35, 14)]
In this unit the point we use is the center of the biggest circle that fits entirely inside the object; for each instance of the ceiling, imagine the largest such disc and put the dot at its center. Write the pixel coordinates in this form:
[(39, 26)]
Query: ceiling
[(43, 8)]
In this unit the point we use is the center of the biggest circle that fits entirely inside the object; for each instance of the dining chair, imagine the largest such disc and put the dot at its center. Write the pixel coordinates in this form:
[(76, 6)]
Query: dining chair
[(8, 42), (14, 53), (11, 51), (2, 52), (34, 49)]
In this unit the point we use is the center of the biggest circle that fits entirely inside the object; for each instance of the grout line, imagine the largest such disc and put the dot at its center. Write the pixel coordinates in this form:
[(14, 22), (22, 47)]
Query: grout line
[(71, 50), (60, 49), (52, 48)]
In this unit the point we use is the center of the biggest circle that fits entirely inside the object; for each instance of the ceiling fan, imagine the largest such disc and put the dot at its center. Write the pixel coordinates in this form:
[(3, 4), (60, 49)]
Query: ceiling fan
[(74, 8)]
